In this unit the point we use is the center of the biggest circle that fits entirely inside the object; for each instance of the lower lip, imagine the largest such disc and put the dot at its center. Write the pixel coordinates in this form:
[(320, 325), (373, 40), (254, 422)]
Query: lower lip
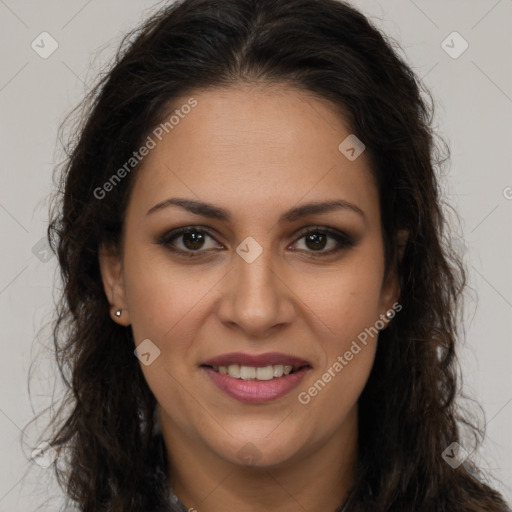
[(256, 390)]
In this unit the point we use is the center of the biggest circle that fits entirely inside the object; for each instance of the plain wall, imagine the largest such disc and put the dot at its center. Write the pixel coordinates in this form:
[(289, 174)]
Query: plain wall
[(473, 97)]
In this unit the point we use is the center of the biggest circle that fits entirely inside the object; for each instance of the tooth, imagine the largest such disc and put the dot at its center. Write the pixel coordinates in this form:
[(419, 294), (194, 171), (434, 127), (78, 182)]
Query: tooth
[(278, 370), (250, 372), (247, 372), (265, 373), (234, 371)]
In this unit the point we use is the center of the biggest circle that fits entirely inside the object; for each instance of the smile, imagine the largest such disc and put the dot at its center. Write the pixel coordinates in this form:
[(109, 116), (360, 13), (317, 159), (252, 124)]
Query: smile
[(269, 372), (256, 377)]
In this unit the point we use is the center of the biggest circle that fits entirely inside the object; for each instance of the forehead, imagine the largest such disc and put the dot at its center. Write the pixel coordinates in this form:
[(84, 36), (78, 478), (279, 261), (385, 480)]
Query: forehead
[(264, 147)]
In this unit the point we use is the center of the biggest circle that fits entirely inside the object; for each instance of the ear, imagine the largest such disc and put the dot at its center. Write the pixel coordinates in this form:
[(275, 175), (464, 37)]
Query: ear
[(111, 268), (390, 292)]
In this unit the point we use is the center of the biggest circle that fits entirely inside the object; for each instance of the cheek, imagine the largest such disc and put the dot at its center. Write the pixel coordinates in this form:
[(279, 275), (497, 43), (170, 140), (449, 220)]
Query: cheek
[(349, 308), (347, 300), (163, 301), (161, 295)]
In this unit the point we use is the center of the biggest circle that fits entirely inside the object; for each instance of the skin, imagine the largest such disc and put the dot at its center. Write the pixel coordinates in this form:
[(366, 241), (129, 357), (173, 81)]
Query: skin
[(257, 152)]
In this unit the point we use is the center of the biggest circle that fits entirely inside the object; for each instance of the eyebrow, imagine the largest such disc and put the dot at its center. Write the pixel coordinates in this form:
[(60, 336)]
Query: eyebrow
[(216, 212)]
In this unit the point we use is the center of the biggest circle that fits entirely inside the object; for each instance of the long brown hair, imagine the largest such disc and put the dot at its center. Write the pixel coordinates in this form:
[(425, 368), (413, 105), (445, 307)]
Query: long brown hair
[(407, 411)]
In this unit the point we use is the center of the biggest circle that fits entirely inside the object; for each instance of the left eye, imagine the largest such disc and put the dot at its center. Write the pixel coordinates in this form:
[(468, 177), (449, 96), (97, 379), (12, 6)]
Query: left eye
[(315, 240)]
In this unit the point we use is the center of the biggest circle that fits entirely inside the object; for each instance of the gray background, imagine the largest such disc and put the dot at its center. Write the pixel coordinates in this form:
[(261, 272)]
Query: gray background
[(474, 109)]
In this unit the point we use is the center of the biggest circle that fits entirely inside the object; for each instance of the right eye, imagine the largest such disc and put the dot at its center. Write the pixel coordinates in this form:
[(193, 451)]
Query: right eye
[(192, 240)]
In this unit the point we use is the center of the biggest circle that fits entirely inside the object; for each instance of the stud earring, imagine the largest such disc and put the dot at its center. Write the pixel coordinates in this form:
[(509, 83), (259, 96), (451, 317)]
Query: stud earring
[(389, 314), (118, 312)]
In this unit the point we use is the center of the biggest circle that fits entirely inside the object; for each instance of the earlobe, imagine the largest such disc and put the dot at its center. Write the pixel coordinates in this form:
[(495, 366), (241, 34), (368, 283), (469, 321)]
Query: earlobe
[(111, 269), (120, 316)]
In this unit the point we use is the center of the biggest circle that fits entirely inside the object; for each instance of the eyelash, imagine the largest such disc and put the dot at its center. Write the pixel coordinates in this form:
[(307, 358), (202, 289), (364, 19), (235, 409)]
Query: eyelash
[(344, 241)]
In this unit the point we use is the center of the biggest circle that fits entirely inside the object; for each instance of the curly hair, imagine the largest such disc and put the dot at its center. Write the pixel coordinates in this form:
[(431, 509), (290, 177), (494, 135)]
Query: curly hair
[(407, 412)]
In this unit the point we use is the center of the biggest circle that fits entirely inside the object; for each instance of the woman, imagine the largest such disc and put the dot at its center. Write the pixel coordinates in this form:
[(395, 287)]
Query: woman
[(260, 306)]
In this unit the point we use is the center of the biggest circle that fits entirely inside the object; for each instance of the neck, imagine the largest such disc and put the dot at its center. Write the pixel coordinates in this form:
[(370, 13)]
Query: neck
[(316, 479)]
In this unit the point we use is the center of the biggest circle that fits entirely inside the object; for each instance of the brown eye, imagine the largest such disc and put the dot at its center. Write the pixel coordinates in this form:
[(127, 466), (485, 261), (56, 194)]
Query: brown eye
[(316, 240), (187, 241), (193, 240)]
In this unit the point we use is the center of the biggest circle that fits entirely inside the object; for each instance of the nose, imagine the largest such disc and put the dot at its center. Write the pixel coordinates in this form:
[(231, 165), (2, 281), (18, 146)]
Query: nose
[(256, 297)]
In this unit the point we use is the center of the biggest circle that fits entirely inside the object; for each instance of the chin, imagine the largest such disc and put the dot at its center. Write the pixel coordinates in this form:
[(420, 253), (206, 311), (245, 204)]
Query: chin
[(259, 452)]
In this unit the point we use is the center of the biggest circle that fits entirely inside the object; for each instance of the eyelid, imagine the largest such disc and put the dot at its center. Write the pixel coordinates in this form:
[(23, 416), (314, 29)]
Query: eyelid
[(343, 239), (324, 229), (174, 234)]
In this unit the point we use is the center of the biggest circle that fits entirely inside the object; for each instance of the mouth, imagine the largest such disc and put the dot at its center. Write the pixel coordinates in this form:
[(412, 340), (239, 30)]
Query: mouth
[(256, 378)]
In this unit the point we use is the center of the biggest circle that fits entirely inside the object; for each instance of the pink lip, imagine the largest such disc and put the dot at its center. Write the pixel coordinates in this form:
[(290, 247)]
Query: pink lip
[(255, 390), (269, 358)]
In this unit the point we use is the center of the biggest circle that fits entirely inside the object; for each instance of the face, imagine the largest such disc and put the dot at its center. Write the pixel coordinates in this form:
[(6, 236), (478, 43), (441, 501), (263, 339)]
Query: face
[(258, 274)]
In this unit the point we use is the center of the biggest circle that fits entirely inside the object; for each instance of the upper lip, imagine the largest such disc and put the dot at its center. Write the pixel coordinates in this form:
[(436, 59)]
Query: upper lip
[(256, 360)]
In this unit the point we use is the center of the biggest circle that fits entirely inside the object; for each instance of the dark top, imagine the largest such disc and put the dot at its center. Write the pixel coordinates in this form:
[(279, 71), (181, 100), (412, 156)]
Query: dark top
[(177, 506)]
